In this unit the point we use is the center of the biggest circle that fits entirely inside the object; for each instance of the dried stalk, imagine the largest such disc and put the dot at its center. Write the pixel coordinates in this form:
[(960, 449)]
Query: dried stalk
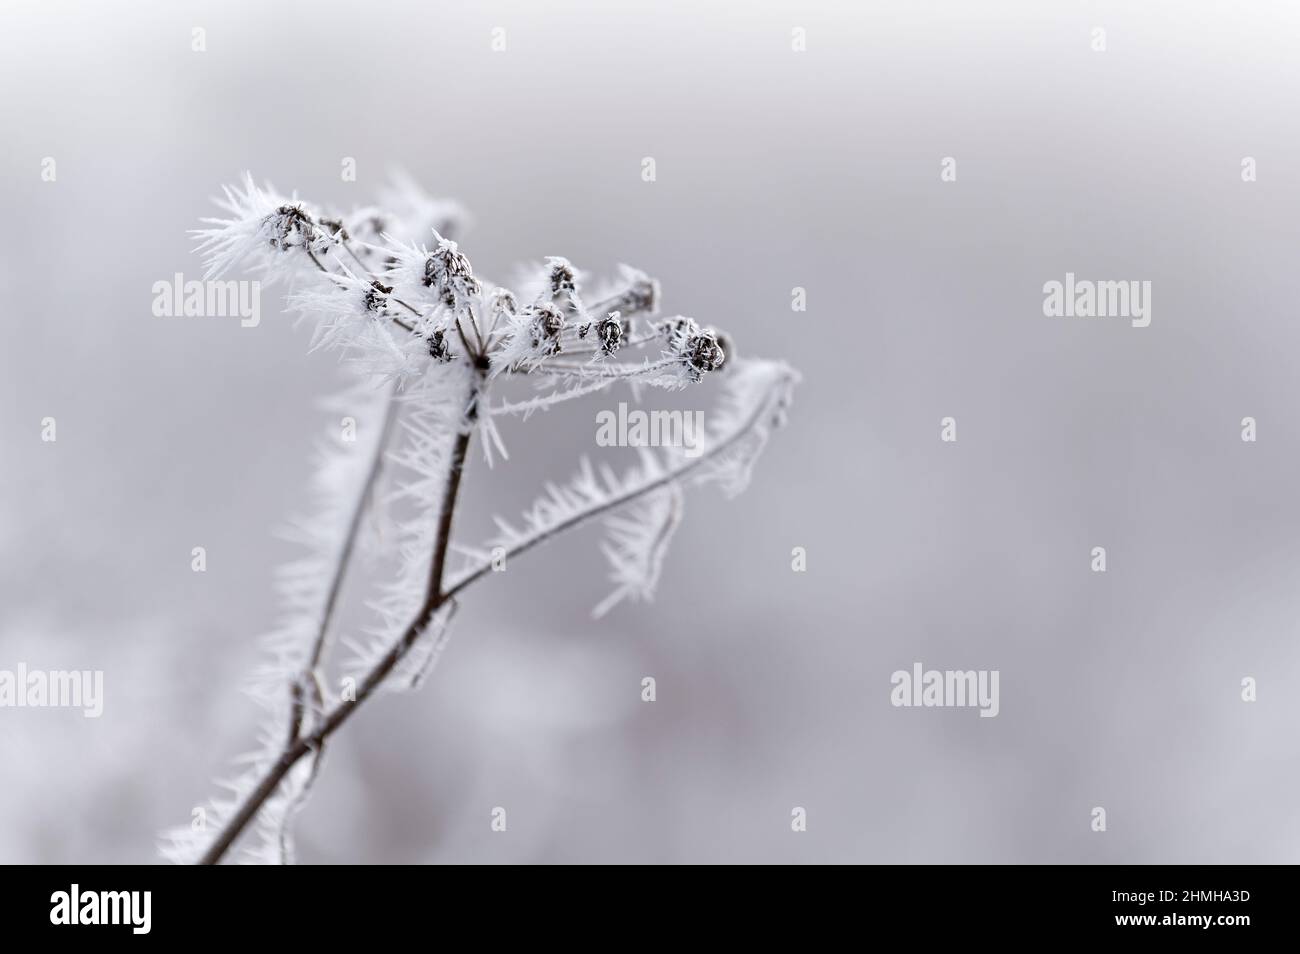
[(357, 313)]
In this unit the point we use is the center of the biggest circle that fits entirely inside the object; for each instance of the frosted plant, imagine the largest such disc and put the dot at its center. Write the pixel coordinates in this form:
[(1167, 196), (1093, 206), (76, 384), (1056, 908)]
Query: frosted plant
[(430, 341)]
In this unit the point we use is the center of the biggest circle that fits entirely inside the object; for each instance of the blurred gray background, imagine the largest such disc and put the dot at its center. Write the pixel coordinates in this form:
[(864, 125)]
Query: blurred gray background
[(775, 169)]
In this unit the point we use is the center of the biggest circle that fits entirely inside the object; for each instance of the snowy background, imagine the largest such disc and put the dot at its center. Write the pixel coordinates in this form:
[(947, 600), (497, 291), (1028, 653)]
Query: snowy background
[(775, 169)]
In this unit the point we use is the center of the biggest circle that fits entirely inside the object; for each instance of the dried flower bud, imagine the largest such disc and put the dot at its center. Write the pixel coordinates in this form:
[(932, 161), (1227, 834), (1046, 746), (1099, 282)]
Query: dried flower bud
[(448, 272), (438, 349)]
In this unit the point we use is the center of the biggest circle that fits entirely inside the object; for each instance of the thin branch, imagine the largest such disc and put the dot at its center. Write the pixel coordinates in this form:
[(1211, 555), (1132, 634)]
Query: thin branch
[(655, 335), (370, 275), (624, 303), (611, 370), (314, 718), (433, 601), (528, 406), (291, 810), (669, 477), (437, 596), (310, 672), (347, 247)]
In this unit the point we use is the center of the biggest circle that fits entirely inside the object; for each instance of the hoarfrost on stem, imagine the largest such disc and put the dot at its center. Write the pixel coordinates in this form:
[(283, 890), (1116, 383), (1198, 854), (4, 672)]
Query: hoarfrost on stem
[(390, 290)]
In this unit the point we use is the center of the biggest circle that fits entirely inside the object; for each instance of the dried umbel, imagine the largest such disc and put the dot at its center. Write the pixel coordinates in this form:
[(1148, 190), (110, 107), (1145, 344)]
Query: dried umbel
[(403, 306)]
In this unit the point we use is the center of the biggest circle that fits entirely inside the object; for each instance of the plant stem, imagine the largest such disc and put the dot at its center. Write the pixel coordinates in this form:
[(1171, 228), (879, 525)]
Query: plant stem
[(675, 475), (437, 595), (434, 599), (310, 677)]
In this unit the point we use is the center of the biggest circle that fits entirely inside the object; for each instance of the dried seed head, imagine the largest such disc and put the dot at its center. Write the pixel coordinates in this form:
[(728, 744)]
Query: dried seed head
[(681, 324), (564, 280), (545, 322), (698, 348), (678, 331), (640, 297), (377, 297), (703, 353), (643, 295), (610, 331), (438, 349), (533, 335), (291, 226), (448, 272), (548, 320), (503, 302)]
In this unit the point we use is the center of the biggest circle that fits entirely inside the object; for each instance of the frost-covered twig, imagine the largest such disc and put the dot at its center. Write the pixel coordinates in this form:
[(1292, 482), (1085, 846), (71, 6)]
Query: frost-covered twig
[(434, 598), (310, 683), (749, 418), (309, 679), (402, 304)]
